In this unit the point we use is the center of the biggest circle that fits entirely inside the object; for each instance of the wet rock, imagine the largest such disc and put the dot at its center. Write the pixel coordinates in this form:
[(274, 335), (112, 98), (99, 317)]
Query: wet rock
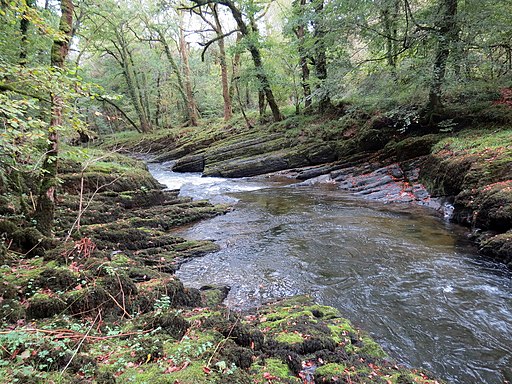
[(214, 295), (387, 184), (248, 167), (191, 163)]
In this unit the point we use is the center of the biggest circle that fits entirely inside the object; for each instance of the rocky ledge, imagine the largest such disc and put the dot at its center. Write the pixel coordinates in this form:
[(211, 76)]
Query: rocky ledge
[(466, 176)]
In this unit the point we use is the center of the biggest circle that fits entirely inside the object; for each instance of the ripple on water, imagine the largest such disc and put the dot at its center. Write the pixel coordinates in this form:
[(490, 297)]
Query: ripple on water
[(408, 277)]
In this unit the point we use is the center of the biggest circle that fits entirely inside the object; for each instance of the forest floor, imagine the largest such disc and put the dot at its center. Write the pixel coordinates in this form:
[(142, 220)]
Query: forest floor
[(100, 303)]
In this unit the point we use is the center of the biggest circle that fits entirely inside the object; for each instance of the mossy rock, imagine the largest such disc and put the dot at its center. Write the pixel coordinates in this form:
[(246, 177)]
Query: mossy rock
[(42, 306), (212, 296), (26, 240), (88, 300), (444, 175), (410, 147), (58, 279), (171, 289), (8, 289), (11, 311), (499, 247), (331, 372), (167, 322), (232, 353), (493, 207), (275, 369)]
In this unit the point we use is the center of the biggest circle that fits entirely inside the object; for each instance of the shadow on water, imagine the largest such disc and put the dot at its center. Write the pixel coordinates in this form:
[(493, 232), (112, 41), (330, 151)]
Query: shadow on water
[(400, 272)]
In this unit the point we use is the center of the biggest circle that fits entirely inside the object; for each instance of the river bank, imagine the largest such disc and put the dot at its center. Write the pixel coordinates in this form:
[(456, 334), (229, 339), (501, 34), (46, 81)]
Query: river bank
[(100, 303), (464, 173)]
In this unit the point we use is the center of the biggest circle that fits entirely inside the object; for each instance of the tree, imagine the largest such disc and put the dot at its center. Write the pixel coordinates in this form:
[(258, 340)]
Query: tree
[(220, 37), (45, 210), (446, 35), (320, 56), (191, 101), (299, 27), (251, 37)]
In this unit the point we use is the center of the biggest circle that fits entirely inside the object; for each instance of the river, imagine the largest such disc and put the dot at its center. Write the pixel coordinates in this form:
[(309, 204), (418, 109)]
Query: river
[(402, 273)]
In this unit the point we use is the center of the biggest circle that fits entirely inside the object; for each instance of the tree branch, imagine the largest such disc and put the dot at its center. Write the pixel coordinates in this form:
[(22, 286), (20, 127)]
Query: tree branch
[(8, 88), (101, 98), (207, 45)]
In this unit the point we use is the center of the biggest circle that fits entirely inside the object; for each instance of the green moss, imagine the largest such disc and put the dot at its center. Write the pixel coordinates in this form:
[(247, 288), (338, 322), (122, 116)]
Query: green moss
[(121, 260), (371, 348), (330, 370), (277, 316), (273, 367), (151, 373), (193, 374), (289, 337), (476, 141)]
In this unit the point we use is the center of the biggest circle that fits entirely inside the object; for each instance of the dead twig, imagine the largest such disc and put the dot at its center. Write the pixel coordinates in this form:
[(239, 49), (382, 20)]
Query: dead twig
[(69, 334), (221, 342), (81, 342)]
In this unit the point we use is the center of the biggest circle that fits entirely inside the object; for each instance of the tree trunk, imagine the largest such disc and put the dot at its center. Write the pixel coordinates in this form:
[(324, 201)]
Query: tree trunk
[(45, 209), (262, 105), (389, 16), (158, 99), (235, 73), (300, 32), (447, 34), (24, 25), (324, 102), (136, 89), (256, 58), (129, 75), (176, 70), (228, 108), (191, 101)]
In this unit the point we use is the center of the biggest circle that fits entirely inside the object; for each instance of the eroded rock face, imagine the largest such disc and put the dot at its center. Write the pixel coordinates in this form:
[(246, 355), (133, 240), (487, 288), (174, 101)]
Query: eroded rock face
[(481, 185), (243, 166), (191, 163)]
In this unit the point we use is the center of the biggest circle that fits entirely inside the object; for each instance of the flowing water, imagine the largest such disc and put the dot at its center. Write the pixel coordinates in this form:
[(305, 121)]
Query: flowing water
[(400, 272)]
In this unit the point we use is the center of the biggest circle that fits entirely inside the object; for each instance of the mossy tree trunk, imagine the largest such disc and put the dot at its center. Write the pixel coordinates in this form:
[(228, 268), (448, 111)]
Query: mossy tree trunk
[(235, 72), (191, 101), (300, 32), (446, 35), (122, 54), (179, 79), (228, 108), (45, 209), (389, 16), (324, 101), (251, 42), (24, 26)]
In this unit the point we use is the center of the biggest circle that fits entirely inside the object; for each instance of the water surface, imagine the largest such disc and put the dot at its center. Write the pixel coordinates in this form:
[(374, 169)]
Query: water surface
[(400, 272)]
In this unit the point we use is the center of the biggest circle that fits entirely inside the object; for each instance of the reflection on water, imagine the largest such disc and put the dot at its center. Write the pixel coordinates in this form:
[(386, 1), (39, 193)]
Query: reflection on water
[(406, 276)]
